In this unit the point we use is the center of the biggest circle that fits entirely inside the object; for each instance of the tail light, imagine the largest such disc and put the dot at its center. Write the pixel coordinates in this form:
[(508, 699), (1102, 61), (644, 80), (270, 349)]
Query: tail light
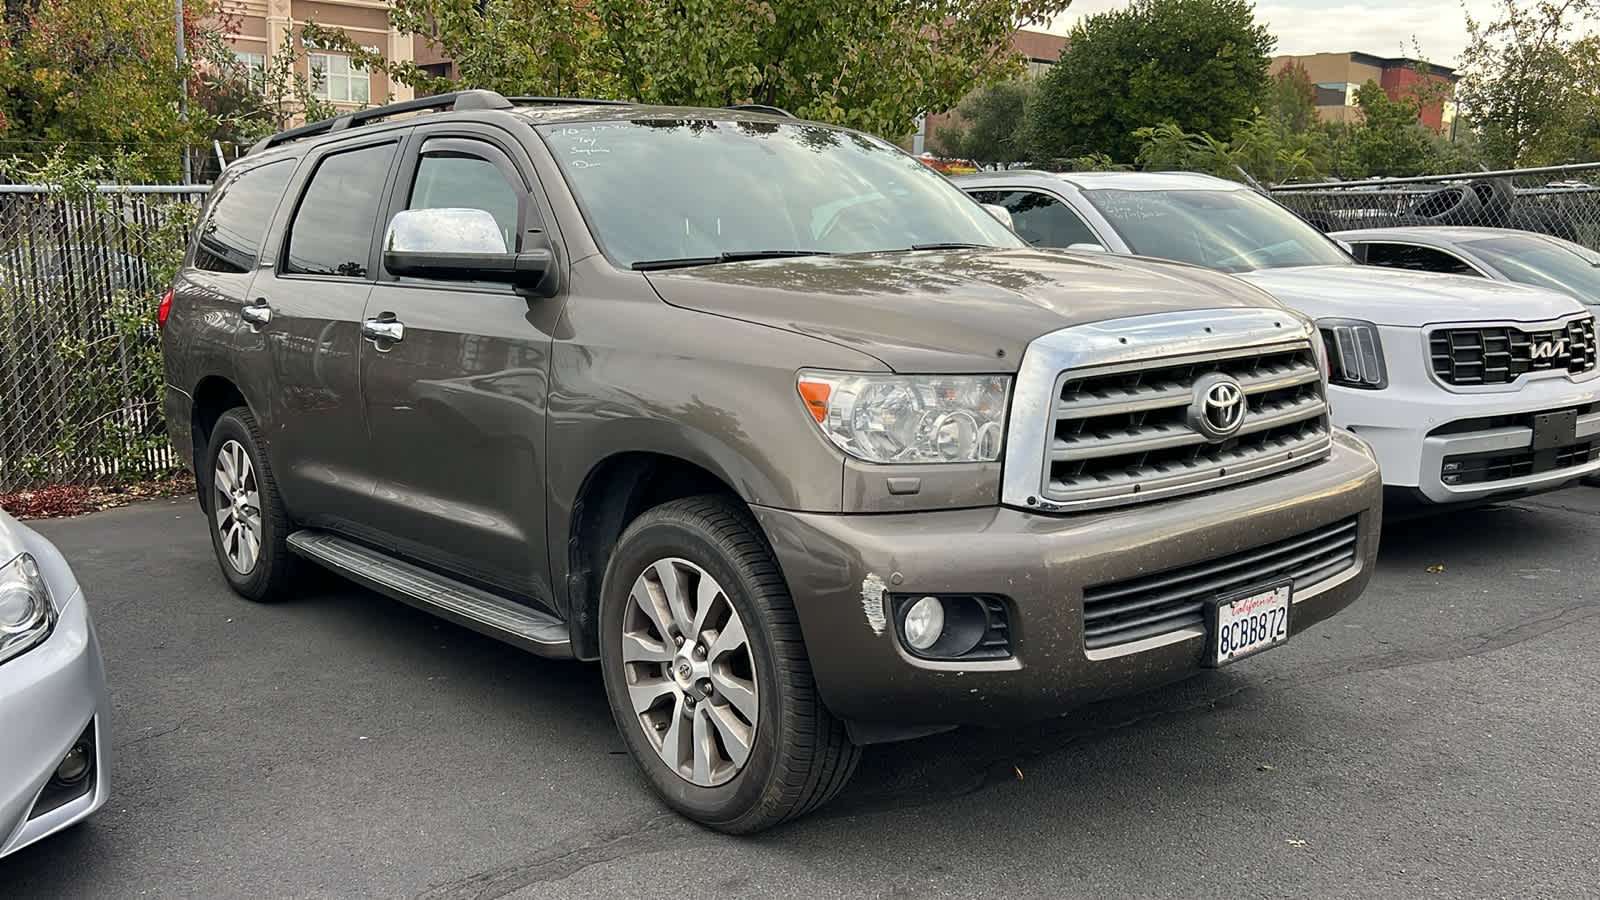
[(165, 309)]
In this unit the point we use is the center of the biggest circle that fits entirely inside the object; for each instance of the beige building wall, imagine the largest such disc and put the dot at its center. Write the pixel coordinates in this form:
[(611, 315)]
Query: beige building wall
[(260, 27)]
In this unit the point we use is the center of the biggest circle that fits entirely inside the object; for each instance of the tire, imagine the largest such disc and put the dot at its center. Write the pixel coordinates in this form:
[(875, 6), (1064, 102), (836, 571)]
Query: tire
[(1543, 221), (799, 755), (1449, 206), (1496, 196), (250, 548)]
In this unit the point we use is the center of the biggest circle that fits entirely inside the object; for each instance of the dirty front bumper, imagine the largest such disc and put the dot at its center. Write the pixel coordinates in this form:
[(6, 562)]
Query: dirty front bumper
[(847, 572)]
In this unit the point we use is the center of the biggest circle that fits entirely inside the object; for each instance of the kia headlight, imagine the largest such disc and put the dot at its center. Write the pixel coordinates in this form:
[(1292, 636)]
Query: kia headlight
[(910, 418), (1354, 354), (26, 611)]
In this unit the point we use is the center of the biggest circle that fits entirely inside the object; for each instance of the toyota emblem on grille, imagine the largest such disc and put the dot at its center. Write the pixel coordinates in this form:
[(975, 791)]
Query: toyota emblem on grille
[(1218, 409)]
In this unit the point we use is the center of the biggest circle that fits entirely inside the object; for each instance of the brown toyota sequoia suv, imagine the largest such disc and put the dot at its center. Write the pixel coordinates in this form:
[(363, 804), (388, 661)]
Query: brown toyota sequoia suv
[(805, 447)]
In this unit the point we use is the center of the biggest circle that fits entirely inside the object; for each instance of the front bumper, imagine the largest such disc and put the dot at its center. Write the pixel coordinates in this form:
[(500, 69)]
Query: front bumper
[(839, 566), (1416, 427), (49, 697)]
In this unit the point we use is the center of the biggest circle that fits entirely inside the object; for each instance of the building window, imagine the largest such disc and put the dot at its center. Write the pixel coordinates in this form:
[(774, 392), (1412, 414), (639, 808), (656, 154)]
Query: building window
[(336, 78), (253, 66), (1337, 93)]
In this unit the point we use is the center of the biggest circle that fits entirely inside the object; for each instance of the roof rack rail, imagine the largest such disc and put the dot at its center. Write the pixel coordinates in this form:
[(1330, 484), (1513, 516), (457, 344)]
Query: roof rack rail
[(566, 101), (455, 100), (762, 108)]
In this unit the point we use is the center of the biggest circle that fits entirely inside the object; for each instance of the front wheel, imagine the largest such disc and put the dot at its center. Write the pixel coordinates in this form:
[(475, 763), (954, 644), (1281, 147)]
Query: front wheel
[(707, 674)]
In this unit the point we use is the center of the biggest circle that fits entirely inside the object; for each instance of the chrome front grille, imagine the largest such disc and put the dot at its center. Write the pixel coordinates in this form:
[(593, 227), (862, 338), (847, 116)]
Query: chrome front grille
[(1152, 605), (1123, 434), (1501, 354)]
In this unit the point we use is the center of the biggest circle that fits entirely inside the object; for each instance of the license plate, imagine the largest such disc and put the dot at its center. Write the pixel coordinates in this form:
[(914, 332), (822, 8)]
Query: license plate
[(1248, 622), (1553, 430)]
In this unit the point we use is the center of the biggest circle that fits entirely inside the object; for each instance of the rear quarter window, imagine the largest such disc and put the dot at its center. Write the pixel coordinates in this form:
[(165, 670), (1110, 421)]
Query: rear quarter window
[(229, 238)]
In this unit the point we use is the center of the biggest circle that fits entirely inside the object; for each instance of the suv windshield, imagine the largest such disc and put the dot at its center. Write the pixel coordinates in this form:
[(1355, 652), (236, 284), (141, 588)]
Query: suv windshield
[(699, 190), (1546, 262), (1231, 231)]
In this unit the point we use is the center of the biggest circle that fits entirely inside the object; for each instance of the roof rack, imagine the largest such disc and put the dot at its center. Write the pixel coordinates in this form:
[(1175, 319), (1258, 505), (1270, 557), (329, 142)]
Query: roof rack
[(455, 101), (566, 101), (761, 108)]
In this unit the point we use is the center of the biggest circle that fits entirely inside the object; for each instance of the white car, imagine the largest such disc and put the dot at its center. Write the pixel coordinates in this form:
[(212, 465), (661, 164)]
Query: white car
[(1467, 389), (53, 700)]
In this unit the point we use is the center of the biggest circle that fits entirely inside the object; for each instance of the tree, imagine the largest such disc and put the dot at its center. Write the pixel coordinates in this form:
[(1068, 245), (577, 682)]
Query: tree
[(101, 76), (1292, 98), (1528, 86), (1389, 141), (874, 66), (1198, 64), (990, 128)]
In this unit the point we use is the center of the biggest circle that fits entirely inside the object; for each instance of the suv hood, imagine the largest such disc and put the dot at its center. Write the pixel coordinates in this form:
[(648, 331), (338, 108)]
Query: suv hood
[(1408, 299), (948, 311)]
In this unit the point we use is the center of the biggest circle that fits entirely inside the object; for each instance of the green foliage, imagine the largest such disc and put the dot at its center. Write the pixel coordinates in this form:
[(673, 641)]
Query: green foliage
[(990, 128), (874, 66), (86, 350), (102, 77), (1530, 88), (1200, 65)]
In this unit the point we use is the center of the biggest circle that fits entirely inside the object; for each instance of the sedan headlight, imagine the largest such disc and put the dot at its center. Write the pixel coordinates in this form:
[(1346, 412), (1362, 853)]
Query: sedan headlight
[(26, 612), (1355, 355), (910, 418)]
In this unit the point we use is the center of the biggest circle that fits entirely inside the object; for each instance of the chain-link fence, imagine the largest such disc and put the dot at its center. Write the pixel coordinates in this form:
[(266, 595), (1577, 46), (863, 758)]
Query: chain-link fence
[(81, 274), (1561, 200)]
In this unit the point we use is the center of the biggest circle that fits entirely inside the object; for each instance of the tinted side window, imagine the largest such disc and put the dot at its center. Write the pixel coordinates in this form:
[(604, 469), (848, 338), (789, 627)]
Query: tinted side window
[(1421, 259), (332, 230), (230, 237), (1040, 219), (446, 180)]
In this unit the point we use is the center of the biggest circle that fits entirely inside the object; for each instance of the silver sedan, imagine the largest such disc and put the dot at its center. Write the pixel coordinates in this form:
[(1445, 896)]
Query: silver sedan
[(1502, 254), (53, 700)]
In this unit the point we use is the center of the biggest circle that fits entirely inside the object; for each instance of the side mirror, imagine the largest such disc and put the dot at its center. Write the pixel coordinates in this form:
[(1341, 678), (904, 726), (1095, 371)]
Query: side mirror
[(457, 244), (1346, 245), (1000, 213), (1086, 248)]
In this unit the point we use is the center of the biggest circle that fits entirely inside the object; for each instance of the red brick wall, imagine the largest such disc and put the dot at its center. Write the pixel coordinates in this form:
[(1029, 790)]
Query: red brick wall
[(1400, 81)]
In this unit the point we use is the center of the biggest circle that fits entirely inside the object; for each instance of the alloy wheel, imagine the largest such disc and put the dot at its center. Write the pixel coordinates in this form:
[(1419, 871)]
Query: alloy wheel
[(236, 505), (690, 676)]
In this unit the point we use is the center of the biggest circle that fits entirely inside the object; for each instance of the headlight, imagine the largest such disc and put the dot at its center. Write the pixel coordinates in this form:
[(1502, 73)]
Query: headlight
[(26, 613), (1355, 355), (910, 418)]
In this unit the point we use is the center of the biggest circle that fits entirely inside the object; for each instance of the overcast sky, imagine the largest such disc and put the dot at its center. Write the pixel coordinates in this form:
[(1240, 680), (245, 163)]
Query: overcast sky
[(1382, 29)]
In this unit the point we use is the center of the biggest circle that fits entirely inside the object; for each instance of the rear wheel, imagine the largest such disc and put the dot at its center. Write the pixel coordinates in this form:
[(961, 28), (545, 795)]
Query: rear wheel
[(248, 526), (707, 674)]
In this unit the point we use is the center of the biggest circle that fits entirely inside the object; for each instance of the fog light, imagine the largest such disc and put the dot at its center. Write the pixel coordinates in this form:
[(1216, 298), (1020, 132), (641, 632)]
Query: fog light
[(924, 623), (75, 765)]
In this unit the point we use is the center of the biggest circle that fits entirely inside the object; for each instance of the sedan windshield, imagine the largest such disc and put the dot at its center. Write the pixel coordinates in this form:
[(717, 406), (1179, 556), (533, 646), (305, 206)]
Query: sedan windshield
[(1545, 262), (1231, 231), (696, 192)]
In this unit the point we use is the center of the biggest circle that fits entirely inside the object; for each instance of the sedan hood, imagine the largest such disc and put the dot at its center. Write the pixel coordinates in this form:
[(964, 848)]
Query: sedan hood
[(1408, 299), (948, 311)]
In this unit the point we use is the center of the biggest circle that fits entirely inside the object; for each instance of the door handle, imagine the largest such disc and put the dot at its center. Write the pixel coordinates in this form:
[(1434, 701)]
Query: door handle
[(257, 313), (383, 329)]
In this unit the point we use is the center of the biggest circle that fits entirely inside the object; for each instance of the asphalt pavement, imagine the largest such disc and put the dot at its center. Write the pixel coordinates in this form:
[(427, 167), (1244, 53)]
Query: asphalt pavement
[(1441, 738)]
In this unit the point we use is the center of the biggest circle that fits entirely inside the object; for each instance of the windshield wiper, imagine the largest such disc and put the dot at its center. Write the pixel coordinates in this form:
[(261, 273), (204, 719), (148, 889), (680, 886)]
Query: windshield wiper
[(951, 245), (646, 265)]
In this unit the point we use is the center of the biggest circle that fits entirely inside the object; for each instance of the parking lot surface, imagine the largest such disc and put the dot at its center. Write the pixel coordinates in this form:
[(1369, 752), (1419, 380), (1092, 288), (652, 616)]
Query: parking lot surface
[(1437, 739)]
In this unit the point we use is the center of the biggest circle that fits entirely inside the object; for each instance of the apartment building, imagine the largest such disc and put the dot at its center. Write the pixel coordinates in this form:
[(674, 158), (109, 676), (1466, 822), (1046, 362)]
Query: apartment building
[(1338, 76), (258, 29)]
